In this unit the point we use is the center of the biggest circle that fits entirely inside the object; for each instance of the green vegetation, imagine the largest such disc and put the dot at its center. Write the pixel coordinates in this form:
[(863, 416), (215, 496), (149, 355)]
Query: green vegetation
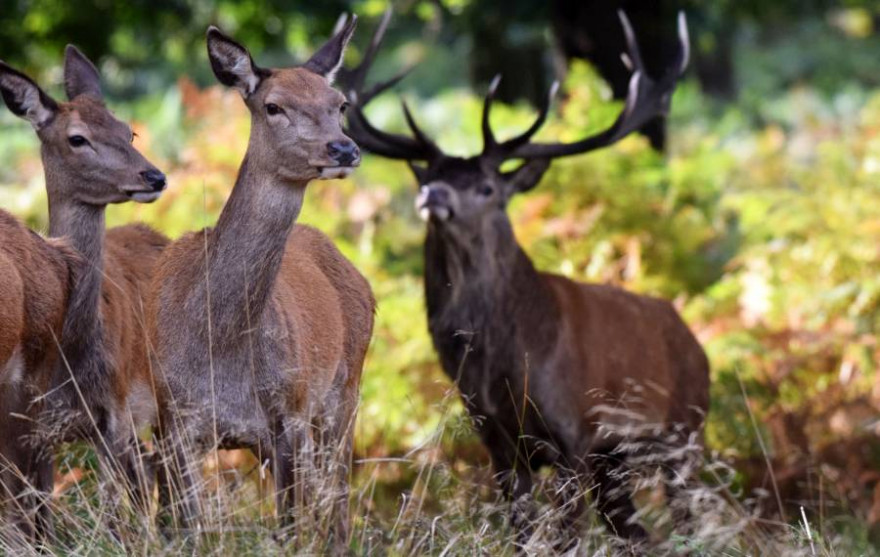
[(762, 222)]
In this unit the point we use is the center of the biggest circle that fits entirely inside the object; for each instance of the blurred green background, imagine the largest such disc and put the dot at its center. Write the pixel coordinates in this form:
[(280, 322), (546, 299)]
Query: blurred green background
[(761, 221)]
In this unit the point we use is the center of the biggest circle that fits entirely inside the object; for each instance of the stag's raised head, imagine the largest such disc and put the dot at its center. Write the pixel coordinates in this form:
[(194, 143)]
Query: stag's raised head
[(81, 139), (296, 114), (463, 193)]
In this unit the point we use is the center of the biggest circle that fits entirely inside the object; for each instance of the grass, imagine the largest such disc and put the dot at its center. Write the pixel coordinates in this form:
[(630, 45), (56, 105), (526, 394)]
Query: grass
[(424, 503)]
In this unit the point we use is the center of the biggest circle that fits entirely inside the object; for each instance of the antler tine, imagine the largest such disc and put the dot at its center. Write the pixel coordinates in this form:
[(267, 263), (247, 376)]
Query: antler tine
[(359, 74), (524, 137), (360, 129), (379, 88), (684, 40), (340, 24), (382, 143), (489, 142), (646, 99), (421, 137), (633, 54)]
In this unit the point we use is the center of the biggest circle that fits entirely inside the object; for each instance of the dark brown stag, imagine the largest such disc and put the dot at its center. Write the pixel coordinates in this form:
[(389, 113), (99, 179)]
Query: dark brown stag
[(554, 372)]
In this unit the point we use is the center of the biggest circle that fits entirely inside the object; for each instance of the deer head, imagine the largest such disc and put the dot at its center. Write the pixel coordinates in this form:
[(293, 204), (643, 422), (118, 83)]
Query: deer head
[(461, 193), (296, 114), (82, 142)]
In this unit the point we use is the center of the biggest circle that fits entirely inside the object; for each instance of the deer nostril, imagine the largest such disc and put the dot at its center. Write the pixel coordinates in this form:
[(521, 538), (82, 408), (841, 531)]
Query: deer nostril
[(155, 179), (437, 196), (343, 152)]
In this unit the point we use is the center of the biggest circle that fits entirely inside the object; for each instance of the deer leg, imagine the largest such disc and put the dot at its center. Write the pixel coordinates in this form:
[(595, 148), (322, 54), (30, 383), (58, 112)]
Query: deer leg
[(17, 528), (335, 450), (110, 464), (123, 473), (43, 470), (163, 485), (614, 497), (570, 498), (26, 489), (515, 480), (678, 478), (342, 450), (517, 485), (283, 474), (139, 473), (177, 477), (26, 470)]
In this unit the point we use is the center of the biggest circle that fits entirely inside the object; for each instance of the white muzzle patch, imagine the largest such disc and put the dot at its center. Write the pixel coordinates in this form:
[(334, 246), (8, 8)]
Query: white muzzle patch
[(425, 210), (335, 172)]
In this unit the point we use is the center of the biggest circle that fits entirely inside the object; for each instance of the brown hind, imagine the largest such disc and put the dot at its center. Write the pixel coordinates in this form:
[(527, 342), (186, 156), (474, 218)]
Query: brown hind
[(261, 327), (101, 389)]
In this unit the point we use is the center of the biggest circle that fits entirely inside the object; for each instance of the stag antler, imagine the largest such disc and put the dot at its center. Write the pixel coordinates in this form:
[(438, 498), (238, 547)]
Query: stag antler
[(389, 145), (646, 99)]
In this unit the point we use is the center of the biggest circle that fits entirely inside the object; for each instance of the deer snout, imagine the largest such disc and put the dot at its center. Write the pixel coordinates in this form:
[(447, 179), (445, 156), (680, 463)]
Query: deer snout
[(154, 179), (344, 152), (434, 200)]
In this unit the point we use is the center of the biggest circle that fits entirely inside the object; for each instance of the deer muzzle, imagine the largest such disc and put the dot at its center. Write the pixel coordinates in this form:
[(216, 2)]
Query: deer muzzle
[(435, 201)]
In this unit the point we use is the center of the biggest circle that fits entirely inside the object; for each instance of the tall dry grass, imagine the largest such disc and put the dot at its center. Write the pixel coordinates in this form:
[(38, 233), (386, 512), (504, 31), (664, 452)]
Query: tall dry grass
[(444, 510)]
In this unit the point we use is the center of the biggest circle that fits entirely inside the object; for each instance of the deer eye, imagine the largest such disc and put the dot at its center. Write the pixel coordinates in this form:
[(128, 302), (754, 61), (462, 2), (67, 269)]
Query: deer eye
[(486, 190), (77, 140), (344, 107), (273, 109)]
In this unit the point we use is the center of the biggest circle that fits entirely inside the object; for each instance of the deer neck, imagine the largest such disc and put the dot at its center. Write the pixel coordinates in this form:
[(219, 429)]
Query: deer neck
[(83, 226), (486, 303), (247, 246), (82, 342), (489, 267)]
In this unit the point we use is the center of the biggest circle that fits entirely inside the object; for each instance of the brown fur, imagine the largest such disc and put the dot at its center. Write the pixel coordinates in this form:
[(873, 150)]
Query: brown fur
[(131, 256), (324, 305), (665, 379), (34, 274)]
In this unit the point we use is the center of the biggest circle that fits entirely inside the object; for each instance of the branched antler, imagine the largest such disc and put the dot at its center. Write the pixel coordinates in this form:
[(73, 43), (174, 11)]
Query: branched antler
[(389, 145), (646, 99)]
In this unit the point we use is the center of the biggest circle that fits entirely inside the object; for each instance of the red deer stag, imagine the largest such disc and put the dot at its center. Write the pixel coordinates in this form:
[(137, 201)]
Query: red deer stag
[(100, 388), (541, 361), (260, 327)]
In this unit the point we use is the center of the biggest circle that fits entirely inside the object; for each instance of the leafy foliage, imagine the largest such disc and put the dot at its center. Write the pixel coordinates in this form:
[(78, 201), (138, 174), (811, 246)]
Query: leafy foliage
[(760, 223)]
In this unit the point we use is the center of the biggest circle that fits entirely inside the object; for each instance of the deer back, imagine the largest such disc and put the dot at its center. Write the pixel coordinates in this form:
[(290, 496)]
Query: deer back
[(35, 278), (621, 360), (129, 261)]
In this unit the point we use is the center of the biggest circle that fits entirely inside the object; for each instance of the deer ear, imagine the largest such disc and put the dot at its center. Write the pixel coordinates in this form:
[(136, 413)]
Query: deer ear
[(526, 176), (232, 63), (80, 75), (25, 98), (327, 61)]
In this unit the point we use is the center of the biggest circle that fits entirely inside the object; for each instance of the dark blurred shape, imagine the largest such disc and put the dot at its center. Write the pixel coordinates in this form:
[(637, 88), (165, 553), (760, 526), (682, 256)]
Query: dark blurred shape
[(590, 29)]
